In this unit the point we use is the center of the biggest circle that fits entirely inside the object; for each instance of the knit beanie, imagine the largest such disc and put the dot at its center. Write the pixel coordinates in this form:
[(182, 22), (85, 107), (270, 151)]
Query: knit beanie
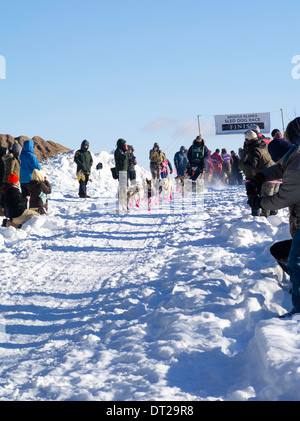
[(16, 148), (13, 178), (37, 175), (250, 135)]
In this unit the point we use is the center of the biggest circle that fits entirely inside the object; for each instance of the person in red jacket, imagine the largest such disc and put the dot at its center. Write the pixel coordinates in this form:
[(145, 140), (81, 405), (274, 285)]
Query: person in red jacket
[(217, 164)]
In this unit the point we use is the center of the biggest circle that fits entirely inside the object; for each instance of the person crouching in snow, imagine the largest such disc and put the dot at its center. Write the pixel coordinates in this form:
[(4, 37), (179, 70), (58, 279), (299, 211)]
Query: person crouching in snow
[(287, 169), (15, 204), (38, 188)]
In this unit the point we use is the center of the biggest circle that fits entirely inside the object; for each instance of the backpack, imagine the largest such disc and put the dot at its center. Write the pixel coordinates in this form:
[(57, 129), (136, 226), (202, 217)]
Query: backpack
[(197, 153), (114, 173)]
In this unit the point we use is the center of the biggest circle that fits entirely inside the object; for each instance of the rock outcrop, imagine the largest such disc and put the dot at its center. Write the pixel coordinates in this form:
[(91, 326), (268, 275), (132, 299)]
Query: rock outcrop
[(43, 149)]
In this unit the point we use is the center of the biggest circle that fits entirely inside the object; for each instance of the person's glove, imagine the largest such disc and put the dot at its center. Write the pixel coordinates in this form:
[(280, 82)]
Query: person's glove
[(253, 186), (254, 202)]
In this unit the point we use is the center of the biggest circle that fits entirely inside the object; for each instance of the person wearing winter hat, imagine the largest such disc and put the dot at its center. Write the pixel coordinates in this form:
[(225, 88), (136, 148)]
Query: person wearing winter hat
[(84, 160), (11, 163), (15, 204), (198, 156), (255, 128), (38, 188), (287, 170), (157, 159), (16, 149), (256, 157)]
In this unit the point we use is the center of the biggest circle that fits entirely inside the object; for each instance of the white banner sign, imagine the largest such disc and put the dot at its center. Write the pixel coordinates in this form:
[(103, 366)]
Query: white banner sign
[(239, 123)]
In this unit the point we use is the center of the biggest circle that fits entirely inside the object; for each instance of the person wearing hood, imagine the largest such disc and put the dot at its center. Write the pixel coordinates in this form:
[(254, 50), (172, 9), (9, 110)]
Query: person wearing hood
[(198, 155), (287, 170), (181, 161), (121, 157), (29, 162), (157, 160), (84, 160), (38, 188), (15, 204)]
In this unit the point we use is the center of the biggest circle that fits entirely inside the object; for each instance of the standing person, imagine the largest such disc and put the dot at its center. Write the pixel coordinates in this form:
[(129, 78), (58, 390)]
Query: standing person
[(122, 172), (84, 160), (198, 156), (255, 158), (226, 165), (38, 188), (15, 204), (278, 146), (217, 164), (121, 157), (29, 162), (287, 169), (16, 149), (255, 128), (11, 163), (236, 174), (157, 158), (209, 170), (131, 165), (181, 161)]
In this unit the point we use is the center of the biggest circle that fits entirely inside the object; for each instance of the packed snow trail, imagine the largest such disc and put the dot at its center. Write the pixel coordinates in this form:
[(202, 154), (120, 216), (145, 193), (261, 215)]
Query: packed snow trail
[(160, 305)]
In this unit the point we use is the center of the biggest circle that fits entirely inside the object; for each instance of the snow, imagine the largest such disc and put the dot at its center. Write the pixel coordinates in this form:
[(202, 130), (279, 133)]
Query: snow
[(179, 303)]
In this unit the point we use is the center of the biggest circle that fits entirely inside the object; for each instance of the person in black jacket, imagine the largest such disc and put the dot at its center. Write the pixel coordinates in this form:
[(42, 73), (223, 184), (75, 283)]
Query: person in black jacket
[(198, 155), (15, 204), (84, 161)]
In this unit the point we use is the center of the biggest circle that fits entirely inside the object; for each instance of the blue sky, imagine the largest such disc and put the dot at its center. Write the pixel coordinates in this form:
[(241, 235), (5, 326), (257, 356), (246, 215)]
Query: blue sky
[(143, 71)]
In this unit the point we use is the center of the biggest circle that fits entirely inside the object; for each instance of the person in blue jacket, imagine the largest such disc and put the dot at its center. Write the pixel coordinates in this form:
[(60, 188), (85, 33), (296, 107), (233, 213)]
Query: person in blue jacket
[(278, 146), (29, 162), (181, 161)]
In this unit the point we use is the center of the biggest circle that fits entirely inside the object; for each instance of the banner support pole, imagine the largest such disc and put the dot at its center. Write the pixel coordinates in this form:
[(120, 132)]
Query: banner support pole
[(283, 129), (198, 116)]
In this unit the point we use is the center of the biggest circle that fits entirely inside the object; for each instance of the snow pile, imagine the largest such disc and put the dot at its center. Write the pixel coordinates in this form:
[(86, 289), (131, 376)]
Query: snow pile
[(160, 305)]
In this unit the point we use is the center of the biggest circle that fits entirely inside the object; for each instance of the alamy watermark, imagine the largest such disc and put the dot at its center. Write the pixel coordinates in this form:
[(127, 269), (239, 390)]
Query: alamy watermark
[(2, 67), (296, 68)]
